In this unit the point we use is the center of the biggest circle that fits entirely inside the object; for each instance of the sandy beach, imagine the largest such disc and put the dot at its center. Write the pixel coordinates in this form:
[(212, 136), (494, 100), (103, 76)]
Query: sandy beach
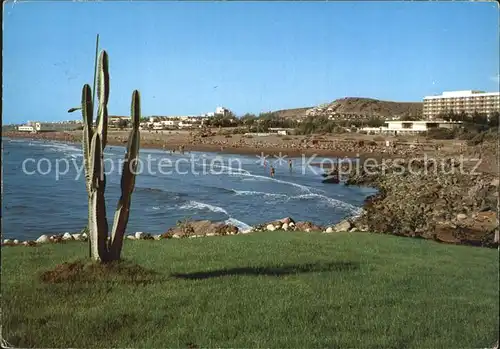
[(344, 145)]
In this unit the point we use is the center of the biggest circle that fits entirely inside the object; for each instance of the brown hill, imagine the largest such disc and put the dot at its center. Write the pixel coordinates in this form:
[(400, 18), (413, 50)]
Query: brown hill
[(297, 113), (356, 107)]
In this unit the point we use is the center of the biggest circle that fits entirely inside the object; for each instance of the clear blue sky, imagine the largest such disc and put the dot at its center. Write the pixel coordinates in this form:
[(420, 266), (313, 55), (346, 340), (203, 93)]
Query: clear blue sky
[(261, 55)]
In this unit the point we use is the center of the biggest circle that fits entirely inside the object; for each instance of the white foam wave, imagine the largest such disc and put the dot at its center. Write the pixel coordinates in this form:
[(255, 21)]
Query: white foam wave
[(320, 198), (196, 205), (242, 226), (330, 201), (304, 188), (251, 192), (58, 147)]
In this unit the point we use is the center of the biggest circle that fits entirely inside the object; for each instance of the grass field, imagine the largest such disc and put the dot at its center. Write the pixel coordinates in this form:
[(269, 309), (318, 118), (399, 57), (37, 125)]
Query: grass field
[(275, 290)]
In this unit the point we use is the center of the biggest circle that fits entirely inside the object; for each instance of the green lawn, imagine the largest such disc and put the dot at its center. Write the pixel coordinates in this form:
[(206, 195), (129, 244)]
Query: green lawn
[(274, 290)]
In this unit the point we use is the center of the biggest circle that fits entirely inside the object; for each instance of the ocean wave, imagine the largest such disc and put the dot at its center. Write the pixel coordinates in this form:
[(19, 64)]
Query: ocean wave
[(160, 191), (223, 169), (148, 189), (196, 205), (221, 190)]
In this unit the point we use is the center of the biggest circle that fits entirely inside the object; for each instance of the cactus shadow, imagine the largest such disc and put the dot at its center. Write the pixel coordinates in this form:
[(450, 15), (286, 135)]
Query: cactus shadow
[(273, 271)]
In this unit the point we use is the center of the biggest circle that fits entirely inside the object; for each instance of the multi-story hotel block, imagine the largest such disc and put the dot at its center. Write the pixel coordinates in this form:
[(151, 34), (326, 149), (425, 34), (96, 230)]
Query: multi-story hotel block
[(468, 102)]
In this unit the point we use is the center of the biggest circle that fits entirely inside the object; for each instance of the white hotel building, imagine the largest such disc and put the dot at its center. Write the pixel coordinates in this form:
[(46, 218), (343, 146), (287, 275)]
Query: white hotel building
[(469, 102)]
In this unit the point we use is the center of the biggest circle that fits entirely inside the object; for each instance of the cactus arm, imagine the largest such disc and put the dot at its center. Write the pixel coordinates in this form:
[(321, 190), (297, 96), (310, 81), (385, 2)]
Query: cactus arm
[(87, 108), (87, 114), (103, 95), (127, 180)]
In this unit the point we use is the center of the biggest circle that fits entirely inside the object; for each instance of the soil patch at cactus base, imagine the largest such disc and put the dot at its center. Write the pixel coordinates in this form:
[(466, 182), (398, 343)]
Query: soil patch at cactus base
[(81, 272)]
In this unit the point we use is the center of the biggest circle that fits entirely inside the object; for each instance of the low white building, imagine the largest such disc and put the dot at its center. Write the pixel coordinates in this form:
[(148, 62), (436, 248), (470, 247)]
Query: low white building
[(280, 130), (34, 126), (410, 127), (26, 128), (185, 124), (169, 123), (115, 119), (158, 126)]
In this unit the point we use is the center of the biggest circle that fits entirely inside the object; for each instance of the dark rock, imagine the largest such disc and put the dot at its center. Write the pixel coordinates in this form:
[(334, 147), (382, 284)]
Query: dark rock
[(200, 228), (307, 226), (287, 220)]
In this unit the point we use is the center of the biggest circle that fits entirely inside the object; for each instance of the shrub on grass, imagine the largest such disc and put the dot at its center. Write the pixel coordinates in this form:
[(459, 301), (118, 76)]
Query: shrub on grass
[(440, 133)]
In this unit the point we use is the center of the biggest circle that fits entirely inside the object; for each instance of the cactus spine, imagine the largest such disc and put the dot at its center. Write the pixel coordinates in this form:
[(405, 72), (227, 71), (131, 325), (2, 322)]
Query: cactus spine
[(94, 143)]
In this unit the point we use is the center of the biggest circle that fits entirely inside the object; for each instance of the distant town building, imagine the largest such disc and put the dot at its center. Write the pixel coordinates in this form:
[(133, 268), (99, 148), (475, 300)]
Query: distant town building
[(396, 127), (221, 111), (468, 102), (34, 126)]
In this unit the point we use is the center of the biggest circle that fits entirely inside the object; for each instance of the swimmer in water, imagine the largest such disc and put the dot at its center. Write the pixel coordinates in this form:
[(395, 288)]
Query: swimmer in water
[(272, 171), (290, 164)]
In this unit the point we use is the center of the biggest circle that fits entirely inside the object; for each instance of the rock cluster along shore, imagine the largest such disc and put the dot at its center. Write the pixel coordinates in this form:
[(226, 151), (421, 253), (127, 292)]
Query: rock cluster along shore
[(441, 203), (195, 229), (43, 239)]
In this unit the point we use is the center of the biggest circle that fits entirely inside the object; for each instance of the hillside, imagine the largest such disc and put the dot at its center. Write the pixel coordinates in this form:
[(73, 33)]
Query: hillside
[(355, 107)]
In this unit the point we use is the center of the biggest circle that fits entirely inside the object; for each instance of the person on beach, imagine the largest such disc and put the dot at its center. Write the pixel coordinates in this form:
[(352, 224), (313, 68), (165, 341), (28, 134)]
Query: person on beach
[(290, 164), (272, 171)]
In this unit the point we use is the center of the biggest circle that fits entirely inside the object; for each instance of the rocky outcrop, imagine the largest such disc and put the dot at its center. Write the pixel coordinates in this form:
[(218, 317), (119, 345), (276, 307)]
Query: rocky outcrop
[(439, 201)]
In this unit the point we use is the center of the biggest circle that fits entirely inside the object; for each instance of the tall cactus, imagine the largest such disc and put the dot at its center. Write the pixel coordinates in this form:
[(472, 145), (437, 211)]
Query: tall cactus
[(93, 142)]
